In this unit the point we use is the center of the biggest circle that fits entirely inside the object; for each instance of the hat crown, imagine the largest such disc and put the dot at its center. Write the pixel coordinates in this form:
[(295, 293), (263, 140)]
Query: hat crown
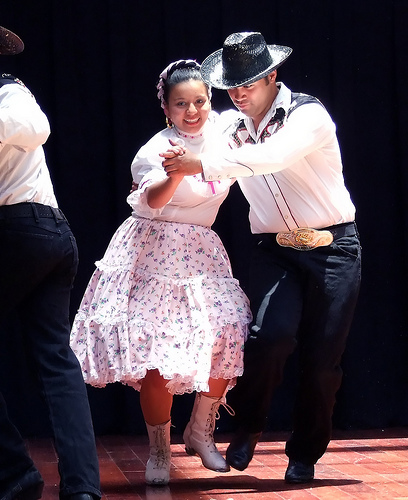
[(244, 58), (247, 53)]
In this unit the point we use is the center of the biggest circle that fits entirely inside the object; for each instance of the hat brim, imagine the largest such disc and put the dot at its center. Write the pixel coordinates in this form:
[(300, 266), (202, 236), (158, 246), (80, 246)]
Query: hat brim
[(10, 43), (212, 71)]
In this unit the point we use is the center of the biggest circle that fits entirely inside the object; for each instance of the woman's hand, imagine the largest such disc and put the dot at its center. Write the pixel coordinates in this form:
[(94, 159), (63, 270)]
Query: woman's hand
[(175, 150)]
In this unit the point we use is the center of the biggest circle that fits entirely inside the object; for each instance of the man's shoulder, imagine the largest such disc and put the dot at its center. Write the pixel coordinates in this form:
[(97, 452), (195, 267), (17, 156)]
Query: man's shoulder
[(228, 119), (6, 78), (300, 99), (17, 86)]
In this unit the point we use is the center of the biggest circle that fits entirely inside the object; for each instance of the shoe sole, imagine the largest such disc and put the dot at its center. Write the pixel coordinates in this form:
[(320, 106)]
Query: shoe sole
[(299, 481), (192, 452), (157, 483)]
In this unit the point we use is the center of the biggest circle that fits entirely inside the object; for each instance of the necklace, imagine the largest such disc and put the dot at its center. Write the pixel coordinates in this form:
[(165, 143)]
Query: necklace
[(189, 136)]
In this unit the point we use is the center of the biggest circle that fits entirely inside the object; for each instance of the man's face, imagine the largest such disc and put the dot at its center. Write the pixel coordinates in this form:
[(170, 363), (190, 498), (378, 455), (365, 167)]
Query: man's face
[(255, 99)]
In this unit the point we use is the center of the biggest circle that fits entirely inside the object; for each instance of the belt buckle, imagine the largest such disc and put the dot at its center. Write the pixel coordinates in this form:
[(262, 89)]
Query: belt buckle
[(304, 238)]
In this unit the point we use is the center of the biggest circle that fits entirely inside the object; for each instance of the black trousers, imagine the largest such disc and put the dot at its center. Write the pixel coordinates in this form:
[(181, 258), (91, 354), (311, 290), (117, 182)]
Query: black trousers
[(303, 300), (39, 260)]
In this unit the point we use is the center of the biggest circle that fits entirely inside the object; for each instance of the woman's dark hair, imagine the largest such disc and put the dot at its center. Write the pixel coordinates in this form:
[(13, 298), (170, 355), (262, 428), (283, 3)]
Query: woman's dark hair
[(178, 72), (179, 76)]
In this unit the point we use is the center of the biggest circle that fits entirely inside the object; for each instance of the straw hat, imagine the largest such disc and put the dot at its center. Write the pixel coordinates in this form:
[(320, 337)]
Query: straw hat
[(244, 58)]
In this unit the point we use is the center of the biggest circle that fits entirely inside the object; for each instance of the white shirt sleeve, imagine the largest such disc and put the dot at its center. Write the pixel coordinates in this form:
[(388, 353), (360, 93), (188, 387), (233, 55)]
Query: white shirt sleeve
[(138, 199), (308, 128), (22, 122)]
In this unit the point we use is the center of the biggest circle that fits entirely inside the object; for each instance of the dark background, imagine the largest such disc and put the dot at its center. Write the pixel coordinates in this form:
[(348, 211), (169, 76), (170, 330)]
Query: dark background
[(93, 66)]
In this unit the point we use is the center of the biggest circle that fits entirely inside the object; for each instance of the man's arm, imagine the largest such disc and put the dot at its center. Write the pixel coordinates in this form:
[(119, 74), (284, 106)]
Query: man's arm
[(185, 164), (22, 122), (309, 128)]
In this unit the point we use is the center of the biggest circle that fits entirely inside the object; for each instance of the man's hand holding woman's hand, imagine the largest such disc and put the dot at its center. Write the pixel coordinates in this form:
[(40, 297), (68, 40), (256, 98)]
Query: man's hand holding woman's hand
[(180, 161)]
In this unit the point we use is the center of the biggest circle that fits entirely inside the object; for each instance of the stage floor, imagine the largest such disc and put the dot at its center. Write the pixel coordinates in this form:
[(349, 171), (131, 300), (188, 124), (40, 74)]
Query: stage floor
[(370, 464)]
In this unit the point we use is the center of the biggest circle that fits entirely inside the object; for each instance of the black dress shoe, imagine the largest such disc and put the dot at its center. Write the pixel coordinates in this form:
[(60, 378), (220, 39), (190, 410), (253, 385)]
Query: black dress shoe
[(28, 487), (80, 496), (241, 450), (298, 472)]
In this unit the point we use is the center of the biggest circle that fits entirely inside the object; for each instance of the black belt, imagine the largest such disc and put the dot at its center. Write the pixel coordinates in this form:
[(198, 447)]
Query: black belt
[(340, 230), (29, 209)]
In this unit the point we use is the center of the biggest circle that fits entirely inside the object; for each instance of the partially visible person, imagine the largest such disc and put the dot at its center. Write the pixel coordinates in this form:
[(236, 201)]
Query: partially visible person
[(306, 265), (39, 262), (162, 311)]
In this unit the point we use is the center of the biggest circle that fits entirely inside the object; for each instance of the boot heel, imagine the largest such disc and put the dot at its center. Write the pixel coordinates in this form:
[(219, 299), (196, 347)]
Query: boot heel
[(190, 451)]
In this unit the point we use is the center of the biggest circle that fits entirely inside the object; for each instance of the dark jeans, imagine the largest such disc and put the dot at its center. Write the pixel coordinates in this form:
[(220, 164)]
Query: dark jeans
[(303, 299), (39, 260)]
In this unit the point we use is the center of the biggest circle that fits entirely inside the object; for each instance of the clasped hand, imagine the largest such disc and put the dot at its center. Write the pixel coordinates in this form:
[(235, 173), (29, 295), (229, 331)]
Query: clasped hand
[(178, 160)]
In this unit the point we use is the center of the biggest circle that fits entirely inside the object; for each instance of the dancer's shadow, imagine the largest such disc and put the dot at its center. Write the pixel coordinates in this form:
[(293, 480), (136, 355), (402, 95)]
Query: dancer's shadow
[(237, 485)]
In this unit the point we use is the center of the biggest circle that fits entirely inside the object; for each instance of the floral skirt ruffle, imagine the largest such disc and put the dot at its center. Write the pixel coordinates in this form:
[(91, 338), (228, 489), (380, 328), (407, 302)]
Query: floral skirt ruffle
[(163, 297)]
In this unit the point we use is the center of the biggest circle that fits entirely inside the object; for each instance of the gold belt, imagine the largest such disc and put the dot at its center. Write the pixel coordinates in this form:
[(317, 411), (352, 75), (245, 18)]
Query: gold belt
[(304, 238)]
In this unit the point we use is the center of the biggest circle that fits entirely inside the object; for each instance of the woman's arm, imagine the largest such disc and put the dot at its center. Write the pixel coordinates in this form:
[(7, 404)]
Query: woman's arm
[(160, 194)]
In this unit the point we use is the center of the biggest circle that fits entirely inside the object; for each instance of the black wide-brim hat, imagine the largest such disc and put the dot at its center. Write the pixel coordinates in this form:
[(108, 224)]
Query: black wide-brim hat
[(10, 43), (243, 59)]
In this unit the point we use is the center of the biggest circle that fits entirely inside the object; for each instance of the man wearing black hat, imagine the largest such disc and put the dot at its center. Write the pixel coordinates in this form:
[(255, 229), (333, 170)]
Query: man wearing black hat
[(306, 264), (39, 259)]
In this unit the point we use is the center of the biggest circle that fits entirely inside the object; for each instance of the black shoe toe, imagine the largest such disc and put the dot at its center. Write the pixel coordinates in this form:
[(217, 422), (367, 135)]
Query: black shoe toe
[(80, 496), (299, 472), (241, 450), (28, 487)]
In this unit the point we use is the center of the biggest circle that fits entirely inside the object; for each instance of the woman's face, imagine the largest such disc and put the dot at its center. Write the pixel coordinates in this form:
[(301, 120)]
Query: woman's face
[(188, 106)]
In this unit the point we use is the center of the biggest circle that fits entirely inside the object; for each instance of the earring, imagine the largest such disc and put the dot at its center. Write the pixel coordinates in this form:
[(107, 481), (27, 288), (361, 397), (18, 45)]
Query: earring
[(169, 123)]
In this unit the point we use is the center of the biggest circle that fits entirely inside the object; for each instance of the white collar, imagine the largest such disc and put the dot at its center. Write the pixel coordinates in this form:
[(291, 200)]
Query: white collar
[(200, 136)]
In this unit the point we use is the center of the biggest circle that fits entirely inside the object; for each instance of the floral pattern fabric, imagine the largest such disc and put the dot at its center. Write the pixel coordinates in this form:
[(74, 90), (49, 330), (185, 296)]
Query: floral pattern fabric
[(162, 297)]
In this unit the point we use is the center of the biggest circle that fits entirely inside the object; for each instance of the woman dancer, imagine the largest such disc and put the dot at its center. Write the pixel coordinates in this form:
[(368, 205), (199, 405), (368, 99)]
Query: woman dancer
[(162, 312)]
